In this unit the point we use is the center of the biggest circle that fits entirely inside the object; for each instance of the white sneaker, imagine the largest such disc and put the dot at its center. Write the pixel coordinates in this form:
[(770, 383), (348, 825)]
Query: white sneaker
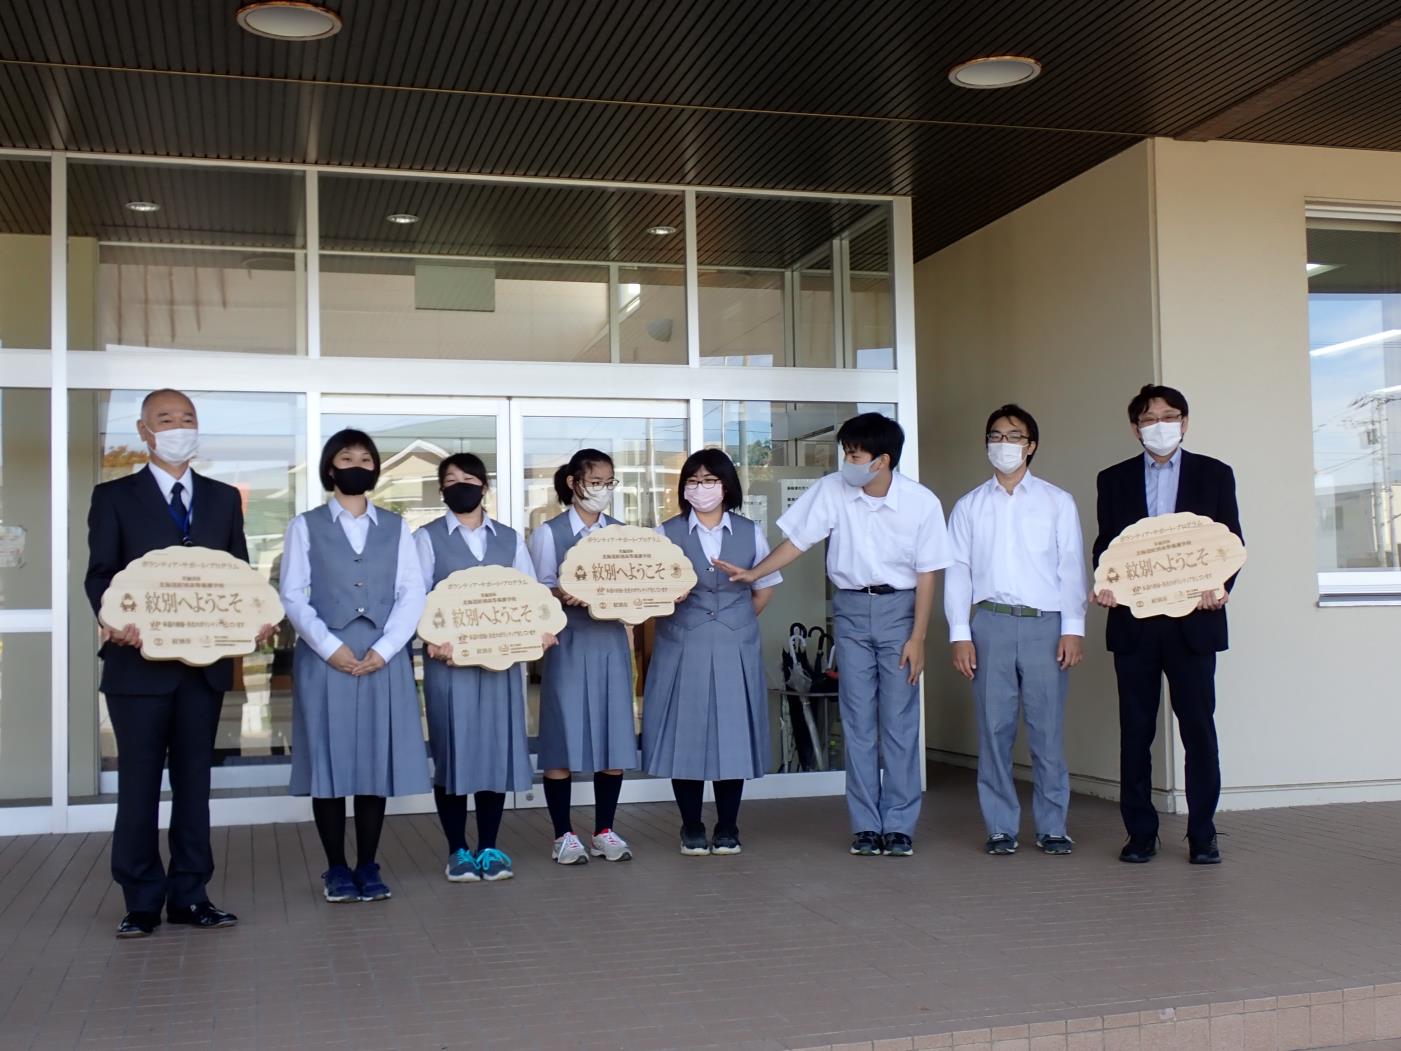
[(611, 846), (569, 851)]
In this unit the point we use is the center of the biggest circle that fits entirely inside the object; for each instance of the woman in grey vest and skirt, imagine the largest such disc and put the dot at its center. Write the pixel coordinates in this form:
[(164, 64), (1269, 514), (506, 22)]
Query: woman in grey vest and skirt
[(353, 589), (705, 709), (586, 691), (476, 716)]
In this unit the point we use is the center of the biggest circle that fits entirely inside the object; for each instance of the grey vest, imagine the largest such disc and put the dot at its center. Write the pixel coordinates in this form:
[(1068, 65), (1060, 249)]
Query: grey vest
[(577, 616), (451, 553), (346, 586), (715, 599)]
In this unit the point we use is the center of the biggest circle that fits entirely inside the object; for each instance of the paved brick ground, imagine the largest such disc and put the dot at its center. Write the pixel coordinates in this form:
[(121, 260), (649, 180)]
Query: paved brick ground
[(793, 944)]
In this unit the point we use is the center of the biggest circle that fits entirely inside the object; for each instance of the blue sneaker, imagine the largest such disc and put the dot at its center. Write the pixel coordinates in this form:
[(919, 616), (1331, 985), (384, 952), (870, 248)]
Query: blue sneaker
[(372, 888), (338, 885), (494, 865), (462, 867)]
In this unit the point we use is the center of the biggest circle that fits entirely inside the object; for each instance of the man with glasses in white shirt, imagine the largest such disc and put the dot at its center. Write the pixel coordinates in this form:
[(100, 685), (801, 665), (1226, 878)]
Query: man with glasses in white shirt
[(1019, 567)]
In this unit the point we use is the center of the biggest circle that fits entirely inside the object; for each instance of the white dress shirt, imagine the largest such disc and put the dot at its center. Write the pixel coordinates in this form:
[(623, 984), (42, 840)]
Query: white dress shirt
[(1022, 548), (475, 539), (874, 540), (712, 539), (167, 481), (542, 546), (409, 592)]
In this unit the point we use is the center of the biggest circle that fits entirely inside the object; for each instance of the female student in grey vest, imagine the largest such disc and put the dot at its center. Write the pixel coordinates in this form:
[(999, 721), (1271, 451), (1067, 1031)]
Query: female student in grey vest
[(586, 721), (476, 716), (353, 589), (705, 710)]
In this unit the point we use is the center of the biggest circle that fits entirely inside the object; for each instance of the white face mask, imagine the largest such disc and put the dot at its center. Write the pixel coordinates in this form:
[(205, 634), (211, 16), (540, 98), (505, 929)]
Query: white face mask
[(594, 500), (1005, 457), (1161, 439), (858, 475), (177, 445)]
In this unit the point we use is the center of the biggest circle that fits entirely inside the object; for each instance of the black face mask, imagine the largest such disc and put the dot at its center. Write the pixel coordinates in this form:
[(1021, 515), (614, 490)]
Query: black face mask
[(464, 497), (353, 481)]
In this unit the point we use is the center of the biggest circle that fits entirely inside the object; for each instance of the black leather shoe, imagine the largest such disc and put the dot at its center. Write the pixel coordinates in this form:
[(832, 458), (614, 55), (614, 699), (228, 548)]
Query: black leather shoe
[(1139, 850), (1203, 852), (867, 845), (202, 915), (138, 924)]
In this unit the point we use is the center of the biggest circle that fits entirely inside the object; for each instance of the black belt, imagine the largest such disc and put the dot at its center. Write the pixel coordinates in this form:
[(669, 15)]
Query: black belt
[(876, 589)]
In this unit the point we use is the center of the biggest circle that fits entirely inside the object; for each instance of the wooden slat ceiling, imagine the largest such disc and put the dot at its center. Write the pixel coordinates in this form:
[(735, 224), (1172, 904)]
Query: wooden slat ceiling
[(796, 94)]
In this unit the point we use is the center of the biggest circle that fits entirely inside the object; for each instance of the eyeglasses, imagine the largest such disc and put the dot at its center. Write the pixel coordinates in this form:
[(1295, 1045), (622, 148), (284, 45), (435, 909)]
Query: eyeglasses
[(1012, 438), (1171, 417), (610, 485), (703, 483)]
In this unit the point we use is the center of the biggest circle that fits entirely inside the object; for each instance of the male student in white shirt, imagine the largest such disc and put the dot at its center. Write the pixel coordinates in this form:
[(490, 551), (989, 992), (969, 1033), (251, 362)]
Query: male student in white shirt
[(1019, 565), (886, 540)]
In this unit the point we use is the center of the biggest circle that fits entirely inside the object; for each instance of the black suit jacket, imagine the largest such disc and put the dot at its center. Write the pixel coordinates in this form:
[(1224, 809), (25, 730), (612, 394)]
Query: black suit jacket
[(130, 518), (1205, 487)]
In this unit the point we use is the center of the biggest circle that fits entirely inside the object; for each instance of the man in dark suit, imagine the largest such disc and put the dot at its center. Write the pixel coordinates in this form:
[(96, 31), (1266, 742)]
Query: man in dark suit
[(163, 712), (1165, 478)]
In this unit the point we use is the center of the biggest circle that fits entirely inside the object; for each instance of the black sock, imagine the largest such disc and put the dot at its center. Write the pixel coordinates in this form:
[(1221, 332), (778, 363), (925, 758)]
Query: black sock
[(727, 797), (452, 814), (330, 826), (557, 792), (606, 789), (369, 823), (688, 800), (489, 808)]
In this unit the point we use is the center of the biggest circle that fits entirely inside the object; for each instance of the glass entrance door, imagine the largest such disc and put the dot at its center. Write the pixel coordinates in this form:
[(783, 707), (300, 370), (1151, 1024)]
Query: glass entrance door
[(648, 441)]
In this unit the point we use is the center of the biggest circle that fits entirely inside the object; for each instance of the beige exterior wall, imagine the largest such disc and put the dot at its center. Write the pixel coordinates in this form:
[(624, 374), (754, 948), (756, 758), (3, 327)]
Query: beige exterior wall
[(1307, 697), (1050, 307)]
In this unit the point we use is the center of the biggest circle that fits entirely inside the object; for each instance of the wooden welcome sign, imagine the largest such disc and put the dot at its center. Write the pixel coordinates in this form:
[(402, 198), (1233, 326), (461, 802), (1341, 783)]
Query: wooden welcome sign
[(493, 616), (191, 604), (627, 573), (1160, 566)]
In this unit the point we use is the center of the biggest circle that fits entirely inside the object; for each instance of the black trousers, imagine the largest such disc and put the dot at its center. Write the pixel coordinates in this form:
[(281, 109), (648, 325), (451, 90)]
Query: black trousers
[(153, 731), (1191, 680)]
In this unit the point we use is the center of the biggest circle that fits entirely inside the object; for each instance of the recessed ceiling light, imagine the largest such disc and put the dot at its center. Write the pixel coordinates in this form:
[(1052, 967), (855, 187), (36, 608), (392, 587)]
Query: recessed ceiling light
[(402, 218), (289, 20), (142, 206), (661, 231), (995, 71)]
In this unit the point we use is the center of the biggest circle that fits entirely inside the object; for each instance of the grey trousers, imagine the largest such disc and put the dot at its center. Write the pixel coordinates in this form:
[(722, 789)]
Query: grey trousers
[(880, 710), (1017, 674)]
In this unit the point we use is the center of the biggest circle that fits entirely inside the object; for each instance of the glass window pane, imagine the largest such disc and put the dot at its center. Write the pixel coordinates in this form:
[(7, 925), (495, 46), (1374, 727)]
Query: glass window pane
[(780, 449), (257, 444), (24, 499), (175, 258), (1355, 365), (500, 272), (26, 721), (24, 256)]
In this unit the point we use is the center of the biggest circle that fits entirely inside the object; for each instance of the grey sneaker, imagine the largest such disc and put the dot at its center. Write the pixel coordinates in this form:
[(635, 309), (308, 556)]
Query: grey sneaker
[(1055, 844), (1001, 843), (610, 846), (568, 850)]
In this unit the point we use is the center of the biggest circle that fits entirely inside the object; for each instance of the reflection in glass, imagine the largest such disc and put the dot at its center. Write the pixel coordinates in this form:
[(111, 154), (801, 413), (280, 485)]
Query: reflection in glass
[(26, 723), (257, 444), (780, 449), (1354, 275), (24, 499), (24, 256)]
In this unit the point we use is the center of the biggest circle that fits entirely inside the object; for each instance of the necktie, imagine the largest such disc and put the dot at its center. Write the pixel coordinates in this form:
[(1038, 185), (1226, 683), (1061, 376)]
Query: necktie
[(178, 510)]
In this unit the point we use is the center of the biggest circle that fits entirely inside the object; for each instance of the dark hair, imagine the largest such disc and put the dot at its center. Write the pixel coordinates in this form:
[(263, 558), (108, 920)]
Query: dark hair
[(579, 463), (873, 433), (718, 464), (1171, 395), (467, 463), (1016, 412), (341, 440)]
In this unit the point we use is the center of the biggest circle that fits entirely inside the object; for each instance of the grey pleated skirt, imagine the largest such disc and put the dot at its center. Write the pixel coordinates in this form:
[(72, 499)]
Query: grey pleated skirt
[(355, 736), (705, 709), (586, 720), (476, 728)]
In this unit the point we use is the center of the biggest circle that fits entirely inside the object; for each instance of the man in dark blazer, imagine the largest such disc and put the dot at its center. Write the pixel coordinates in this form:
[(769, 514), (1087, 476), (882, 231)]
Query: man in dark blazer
[(1162, 479), (163, 712)]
